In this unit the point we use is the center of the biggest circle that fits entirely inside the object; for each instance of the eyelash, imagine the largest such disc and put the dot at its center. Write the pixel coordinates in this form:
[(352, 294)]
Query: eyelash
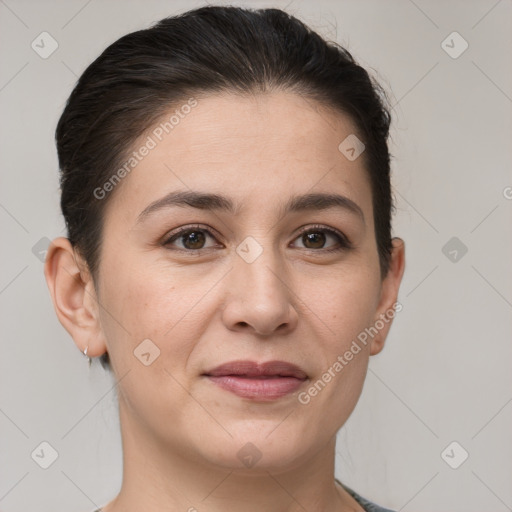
[(343, 241)]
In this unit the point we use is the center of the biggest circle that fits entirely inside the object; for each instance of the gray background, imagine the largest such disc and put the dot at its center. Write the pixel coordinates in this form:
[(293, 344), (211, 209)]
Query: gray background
[(445, 372)]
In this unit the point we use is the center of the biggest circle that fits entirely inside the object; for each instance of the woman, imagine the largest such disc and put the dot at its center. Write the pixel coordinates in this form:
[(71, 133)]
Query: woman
[(226, 190)]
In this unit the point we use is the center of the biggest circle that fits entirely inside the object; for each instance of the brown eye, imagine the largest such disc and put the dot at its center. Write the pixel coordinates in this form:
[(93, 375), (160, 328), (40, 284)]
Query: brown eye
[(189, 239), (193, 240), (315, 238)]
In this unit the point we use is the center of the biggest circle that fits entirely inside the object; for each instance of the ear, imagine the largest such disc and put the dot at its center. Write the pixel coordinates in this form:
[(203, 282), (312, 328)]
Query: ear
[(74, 297), (388, 304)]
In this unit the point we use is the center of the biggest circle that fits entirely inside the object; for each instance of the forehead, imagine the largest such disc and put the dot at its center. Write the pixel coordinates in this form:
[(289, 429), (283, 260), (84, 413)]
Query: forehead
[(259, 150)]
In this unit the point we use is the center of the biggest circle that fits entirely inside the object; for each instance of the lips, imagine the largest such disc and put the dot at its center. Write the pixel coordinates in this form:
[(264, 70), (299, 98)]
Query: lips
[(252, 369), (258, 381)]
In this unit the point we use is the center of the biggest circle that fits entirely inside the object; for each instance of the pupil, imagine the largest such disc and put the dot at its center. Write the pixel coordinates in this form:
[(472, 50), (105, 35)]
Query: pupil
[(318, 239), (194, 240)]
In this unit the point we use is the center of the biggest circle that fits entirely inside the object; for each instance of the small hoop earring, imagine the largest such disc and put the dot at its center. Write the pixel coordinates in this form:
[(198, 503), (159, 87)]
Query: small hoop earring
[(85, 354)]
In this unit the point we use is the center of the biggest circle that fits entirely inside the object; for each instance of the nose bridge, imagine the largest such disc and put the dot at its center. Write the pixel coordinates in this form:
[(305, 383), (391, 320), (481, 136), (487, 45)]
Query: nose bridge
[(258, 265), (259, 295)]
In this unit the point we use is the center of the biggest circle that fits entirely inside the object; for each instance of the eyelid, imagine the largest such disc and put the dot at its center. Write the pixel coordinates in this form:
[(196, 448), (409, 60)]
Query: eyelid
[(175, 234), (344, 242)]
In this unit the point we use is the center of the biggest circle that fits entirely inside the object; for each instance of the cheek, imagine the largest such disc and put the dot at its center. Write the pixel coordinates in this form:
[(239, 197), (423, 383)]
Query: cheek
[(336, 387), (149, 301), (148, 322), (343, 306), (345, 299)]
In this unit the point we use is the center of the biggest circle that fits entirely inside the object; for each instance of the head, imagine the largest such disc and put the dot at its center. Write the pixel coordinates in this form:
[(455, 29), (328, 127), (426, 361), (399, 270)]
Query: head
[(233, 116)]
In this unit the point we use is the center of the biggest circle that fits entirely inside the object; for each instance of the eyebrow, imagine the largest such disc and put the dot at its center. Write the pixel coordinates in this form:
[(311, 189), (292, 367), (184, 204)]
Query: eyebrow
[(216, 202)]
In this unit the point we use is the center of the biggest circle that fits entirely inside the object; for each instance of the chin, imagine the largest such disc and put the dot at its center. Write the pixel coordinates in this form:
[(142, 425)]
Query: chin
[(253, 449)]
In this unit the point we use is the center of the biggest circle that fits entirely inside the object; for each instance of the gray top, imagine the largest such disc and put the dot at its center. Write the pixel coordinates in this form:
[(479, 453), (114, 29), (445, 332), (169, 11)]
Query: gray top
[(368, 506)]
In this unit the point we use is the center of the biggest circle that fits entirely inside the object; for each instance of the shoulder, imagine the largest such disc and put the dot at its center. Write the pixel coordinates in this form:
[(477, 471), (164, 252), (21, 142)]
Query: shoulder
[(369, 506)]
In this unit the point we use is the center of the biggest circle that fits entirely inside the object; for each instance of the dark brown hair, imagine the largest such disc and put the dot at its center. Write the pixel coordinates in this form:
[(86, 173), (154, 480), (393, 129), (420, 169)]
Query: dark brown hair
[(128, 88)]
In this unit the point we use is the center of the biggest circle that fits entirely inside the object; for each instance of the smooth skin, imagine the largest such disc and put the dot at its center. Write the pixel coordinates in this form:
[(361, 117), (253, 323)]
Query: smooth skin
[(202, 304)]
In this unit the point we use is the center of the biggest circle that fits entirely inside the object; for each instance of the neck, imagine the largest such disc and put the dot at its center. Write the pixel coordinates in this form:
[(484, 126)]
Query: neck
[(161, 478)]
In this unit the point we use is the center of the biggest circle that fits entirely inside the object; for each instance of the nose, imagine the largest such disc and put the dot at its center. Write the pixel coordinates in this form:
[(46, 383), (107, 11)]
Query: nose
[(260, 297)]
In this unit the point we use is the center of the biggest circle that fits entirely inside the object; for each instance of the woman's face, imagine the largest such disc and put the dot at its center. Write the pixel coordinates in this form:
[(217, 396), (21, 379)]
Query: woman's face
[(245, 283)]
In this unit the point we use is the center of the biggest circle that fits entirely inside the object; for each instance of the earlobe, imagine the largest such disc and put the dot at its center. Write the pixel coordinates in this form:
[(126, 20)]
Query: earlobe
[(73, 295), (388, 305)]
